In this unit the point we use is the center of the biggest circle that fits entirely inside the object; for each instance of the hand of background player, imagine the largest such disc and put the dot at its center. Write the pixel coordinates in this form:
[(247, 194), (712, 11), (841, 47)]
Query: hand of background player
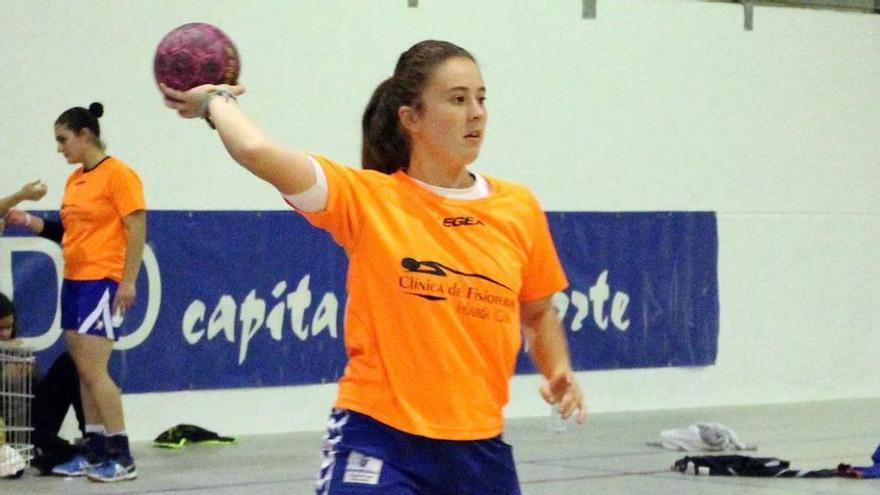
[(190, 103), (125, 296), (33, 190), (563, 390)]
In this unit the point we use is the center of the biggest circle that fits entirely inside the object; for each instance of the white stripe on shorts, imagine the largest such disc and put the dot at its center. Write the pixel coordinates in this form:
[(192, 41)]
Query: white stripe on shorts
[(102, 311), (333, 436)]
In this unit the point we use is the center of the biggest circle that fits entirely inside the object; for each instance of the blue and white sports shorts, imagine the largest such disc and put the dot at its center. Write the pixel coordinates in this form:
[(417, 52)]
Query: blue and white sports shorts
[(86, 307), (363, 456)]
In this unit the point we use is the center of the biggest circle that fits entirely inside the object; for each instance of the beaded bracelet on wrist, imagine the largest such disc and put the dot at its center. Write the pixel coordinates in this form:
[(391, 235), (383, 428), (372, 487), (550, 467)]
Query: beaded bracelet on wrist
[(205, 112)]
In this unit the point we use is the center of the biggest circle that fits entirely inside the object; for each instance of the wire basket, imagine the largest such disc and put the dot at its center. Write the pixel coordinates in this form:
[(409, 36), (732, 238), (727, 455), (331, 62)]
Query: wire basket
[(16, 397)]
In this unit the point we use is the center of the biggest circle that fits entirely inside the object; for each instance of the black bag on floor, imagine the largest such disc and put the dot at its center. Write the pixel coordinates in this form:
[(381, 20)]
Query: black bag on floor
[(178, 436)]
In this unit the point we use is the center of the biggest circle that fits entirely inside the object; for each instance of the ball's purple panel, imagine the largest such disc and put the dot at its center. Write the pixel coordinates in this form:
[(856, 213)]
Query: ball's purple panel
[(194, 54)]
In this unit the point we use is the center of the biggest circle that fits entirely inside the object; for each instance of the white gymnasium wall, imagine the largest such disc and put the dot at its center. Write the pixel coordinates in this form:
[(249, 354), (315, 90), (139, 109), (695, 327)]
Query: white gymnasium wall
[(661, 105)]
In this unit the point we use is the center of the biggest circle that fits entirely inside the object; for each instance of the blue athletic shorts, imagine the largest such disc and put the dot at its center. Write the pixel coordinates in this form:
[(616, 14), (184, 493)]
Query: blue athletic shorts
[(86, 307), (364, 456)]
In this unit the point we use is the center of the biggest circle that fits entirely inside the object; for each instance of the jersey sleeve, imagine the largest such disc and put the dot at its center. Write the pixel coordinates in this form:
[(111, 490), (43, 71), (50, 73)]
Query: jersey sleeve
[(542, 274), (341, 217), (127, 192)]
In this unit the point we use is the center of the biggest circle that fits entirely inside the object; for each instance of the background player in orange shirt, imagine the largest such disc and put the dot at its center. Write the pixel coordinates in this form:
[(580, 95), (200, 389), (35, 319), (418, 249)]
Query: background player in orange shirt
[(102, 233), (444, 266)]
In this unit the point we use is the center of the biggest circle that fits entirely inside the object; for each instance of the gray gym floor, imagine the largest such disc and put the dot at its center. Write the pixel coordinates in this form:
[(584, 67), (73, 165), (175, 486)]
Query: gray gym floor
[(609, 455)]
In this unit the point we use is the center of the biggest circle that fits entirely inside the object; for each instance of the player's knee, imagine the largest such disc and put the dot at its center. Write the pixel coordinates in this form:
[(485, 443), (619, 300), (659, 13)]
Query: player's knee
[(93, 376)]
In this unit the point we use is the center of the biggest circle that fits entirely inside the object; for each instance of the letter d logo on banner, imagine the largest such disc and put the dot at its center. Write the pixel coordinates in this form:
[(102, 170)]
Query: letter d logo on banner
[(8, 245), (49, 336)]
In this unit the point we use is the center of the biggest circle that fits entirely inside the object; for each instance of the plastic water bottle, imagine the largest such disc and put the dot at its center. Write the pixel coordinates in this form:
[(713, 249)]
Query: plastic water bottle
[(557, 424)]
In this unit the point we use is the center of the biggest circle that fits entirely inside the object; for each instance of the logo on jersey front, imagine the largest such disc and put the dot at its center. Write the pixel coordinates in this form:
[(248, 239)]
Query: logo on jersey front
[(461, 221), (428, 288), (474, 294)]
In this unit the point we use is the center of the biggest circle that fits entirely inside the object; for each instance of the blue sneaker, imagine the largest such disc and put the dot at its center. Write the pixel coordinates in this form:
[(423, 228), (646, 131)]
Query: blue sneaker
[(74, 467), (112, 470)]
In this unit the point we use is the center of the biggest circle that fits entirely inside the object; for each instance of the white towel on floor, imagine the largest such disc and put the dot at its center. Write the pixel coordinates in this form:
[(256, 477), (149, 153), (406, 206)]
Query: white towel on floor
[(701, 437), (11, 461)]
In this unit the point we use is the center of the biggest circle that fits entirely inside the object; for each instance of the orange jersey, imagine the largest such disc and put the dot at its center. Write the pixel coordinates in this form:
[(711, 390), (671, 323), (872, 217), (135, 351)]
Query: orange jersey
[(94, 204), (432, 328)]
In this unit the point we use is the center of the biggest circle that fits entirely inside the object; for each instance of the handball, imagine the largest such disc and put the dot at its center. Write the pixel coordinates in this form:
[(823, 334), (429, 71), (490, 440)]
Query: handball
[(194, 54)]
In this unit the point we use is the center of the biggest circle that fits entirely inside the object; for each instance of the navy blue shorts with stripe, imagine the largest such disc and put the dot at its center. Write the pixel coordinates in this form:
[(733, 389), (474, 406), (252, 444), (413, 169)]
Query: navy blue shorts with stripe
[(86, 307), (365, 457)]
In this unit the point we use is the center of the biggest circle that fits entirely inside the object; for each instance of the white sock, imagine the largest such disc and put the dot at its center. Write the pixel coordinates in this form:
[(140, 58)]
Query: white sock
[(99, 429)]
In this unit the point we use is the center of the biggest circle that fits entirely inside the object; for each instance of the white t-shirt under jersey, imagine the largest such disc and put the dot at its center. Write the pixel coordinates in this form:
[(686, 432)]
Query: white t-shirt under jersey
[(315, 198)]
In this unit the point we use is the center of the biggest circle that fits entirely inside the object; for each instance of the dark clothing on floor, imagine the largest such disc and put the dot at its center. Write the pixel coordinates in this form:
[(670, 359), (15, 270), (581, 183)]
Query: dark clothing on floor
[(740, 465)]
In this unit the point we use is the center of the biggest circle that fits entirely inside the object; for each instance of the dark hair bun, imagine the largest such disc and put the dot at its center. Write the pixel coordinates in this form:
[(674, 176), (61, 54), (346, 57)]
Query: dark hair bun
[(96, 110)]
